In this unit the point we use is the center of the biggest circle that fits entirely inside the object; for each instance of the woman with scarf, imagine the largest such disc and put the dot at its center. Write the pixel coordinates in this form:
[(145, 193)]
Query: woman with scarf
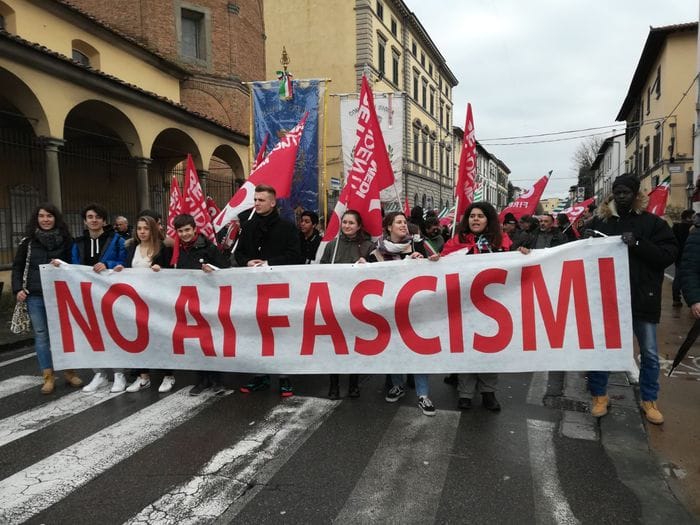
[(47, 239), (351, 246), (398, 244), (479, 231), (146, 250)]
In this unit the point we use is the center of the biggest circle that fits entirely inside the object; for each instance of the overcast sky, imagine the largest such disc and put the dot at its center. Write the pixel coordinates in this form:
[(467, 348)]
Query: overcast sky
[(540, 66)]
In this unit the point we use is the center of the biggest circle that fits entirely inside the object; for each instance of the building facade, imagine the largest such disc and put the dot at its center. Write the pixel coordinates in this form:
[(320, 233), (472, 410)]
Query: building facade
[(608, 164), (340, 40), (660, 112), (97, 111)]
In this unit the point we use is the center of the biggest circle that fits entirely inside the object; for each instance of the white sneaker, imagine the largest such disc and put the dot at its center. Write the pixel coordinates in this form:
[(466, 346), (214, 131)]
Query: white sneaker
[(140, 384), (119, 383), (167, 384), (98, 381)]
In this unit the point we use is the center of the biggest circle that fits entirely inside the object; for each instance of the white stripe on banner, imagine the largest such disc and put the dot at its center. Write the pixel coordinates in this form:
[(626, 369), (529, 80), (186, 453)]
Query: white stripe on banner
[(18, 384), (228, 475), (17, 359), (551, 505), (43, 484), (30, 421), (403, 480)]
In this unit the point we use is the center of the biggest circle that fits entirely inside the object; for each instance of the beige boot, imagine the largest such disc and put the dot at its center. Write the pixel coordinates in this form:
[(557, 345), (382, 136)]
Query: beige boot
[(72, 378), (652, 412), (49, 380), (599, 406)]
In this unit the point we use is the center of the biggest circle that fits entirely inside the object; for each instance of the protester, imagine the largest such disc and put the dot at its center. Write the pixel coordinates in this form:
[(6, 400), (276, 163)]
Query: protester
[(309, 236), (196, 252), (395, 245), (689, 272), (352, 245), (416, 224), (680, 231), (565, 227), (46, 240), (652, 247), (516, 230), (479, 231), (121, 226), (101, 248), (267, 239), (146, 250), (167, 241), (547, 235), (433, 234)]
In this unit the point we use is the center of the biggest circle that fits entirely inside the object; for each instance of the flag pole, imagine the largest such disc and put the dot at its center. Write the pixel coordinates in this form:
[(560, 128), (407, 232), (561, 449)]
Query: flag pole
[(325, 158), (454, 219)]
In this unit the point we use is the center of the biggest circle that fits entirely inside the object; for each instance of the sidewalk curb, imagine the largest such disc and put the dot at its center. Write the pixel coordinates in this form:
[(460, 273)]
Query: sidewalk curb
[(624, 437)]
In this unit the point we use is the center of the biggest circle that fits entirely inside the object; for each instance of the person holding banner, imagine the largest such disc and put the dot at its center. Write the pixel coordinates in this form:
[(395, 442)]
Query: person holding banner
[(352, 245), (267, 239), (398, 244), (46, 239), (309, 237), (196, 252), (146, 250), (652, 247), (103, 249), (479, 231)]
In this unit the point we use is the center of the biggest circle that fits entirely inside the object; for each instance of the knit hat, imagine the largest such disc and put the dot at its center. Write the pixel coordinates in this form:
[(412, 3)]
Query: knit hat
[(509, 218), (628, 181)]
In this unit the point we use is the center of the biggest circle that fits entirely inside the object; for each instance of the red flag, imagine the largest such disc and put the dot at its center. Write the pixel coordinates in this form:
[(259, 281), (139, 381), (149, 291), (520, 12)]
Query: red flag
[(658, 197), (371, 166), (175, 207), (466, 178), (194, 202), (275, 170), (406, 209), (526, 204), (574, 212), (212, 209), (261, 152)]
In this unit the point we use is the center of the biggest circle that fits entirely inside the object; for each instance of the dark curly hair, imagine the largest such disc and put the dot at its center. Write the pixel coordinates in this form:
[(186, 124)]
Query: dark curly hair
[(60, 224), (493, 225)]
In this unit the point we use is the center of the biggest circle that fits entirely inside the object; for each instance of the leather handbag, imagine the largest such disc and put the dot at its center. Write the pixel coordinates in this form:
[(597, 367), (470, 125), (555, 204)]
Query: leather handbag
[(21, 323)]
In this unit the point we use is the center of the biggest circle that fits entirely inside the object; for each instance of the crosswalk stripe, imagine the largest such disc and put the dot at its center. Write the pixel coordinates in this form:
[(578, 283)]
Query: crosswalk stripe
[(17, 359), (16, 384), (46, 482), (403, 480), (34, 419), (228, 475), (551, 506), (538, 388)]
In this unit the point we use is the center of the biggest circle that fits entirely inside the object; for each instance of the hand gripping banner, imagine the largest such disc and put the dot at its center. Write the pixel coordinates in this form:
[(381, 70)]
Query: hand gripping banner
[(564, 308)]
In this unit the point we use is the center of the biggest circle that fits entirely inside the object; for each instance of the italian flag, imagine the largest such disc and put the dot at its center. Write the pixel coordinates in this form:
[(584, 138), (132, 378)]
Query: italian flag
[(658, 197), (285, 89)]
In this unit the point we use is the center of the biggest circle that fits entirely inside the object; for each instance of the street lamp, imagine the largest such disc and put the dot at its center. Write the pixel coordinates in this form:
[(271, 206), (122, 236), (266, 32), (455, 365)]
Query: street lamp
[(690, 190)]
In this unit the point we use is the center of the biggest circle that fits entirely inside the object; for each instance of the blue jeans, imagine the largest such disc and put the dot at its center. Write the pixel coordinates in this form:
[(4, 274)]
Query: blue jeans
[(645, 333), (421, 380), (37, 313)]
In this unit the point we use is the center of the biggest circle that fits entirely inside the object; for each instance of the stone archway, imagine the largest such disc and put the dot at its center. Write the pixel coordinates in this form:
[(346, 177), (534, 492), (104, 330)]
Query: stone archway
[(225, 174)]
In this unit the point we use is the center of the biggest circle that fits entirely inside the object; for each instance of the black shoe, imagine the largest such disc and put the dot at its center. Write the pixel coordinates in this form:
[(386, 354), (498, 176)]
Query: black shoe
[(451, 380), (464, 403), (198, 389), (334, 392), (354, 391), (256, 384), (488, 399), (218, 389)]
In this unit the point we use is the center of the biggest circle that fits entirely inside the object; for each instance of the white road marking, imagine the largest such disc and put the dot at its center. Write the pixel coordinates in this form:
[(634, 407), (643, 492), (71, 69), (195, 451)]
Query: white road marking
[(17, 359), (18, 384), (30, 421), (46, 482), (403, 480), (230, 473), (538, 388), (551, 505)]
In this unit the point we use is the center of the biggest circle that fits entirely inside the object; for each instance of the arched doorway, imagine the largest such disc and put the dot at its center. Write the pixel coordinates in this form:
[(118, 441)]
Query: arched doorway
[(225, 174)]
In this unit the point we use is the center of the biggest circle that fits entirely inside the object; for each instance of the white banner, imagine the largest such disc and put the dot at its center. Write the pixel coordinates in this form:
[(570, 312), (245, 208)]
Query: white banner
[(390, 112), (564, 308)]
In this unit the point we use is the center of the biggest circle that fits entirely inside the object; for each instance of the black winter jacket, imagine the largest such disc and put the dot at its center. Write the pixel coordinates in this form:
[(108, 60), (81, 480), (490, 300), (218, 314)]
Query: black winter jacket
[(40, 255), (269, 238), (201, 252), (690, 269), (655, 250)]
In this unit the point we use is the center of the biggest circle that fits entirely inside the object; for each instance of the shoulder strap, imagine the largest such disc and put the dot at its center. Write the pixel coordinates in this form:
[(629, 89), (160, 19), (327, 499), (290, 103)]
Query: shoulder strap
[(26, 265)]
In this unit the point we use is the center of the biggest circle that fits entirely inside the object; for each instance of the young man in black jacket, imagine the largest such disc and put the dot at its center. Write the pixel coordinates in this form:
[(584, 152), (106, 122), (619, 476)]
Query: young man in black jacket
[(267, 239), (652, 247), (309, 237), (196, 252)]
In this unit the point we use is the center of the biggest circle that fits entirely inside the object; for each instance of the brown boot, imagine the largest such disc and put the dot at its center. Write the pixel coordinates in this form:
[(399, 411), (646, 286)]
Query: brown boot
[(652, 412), (599, 406), (72, 378), (49, 381)]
